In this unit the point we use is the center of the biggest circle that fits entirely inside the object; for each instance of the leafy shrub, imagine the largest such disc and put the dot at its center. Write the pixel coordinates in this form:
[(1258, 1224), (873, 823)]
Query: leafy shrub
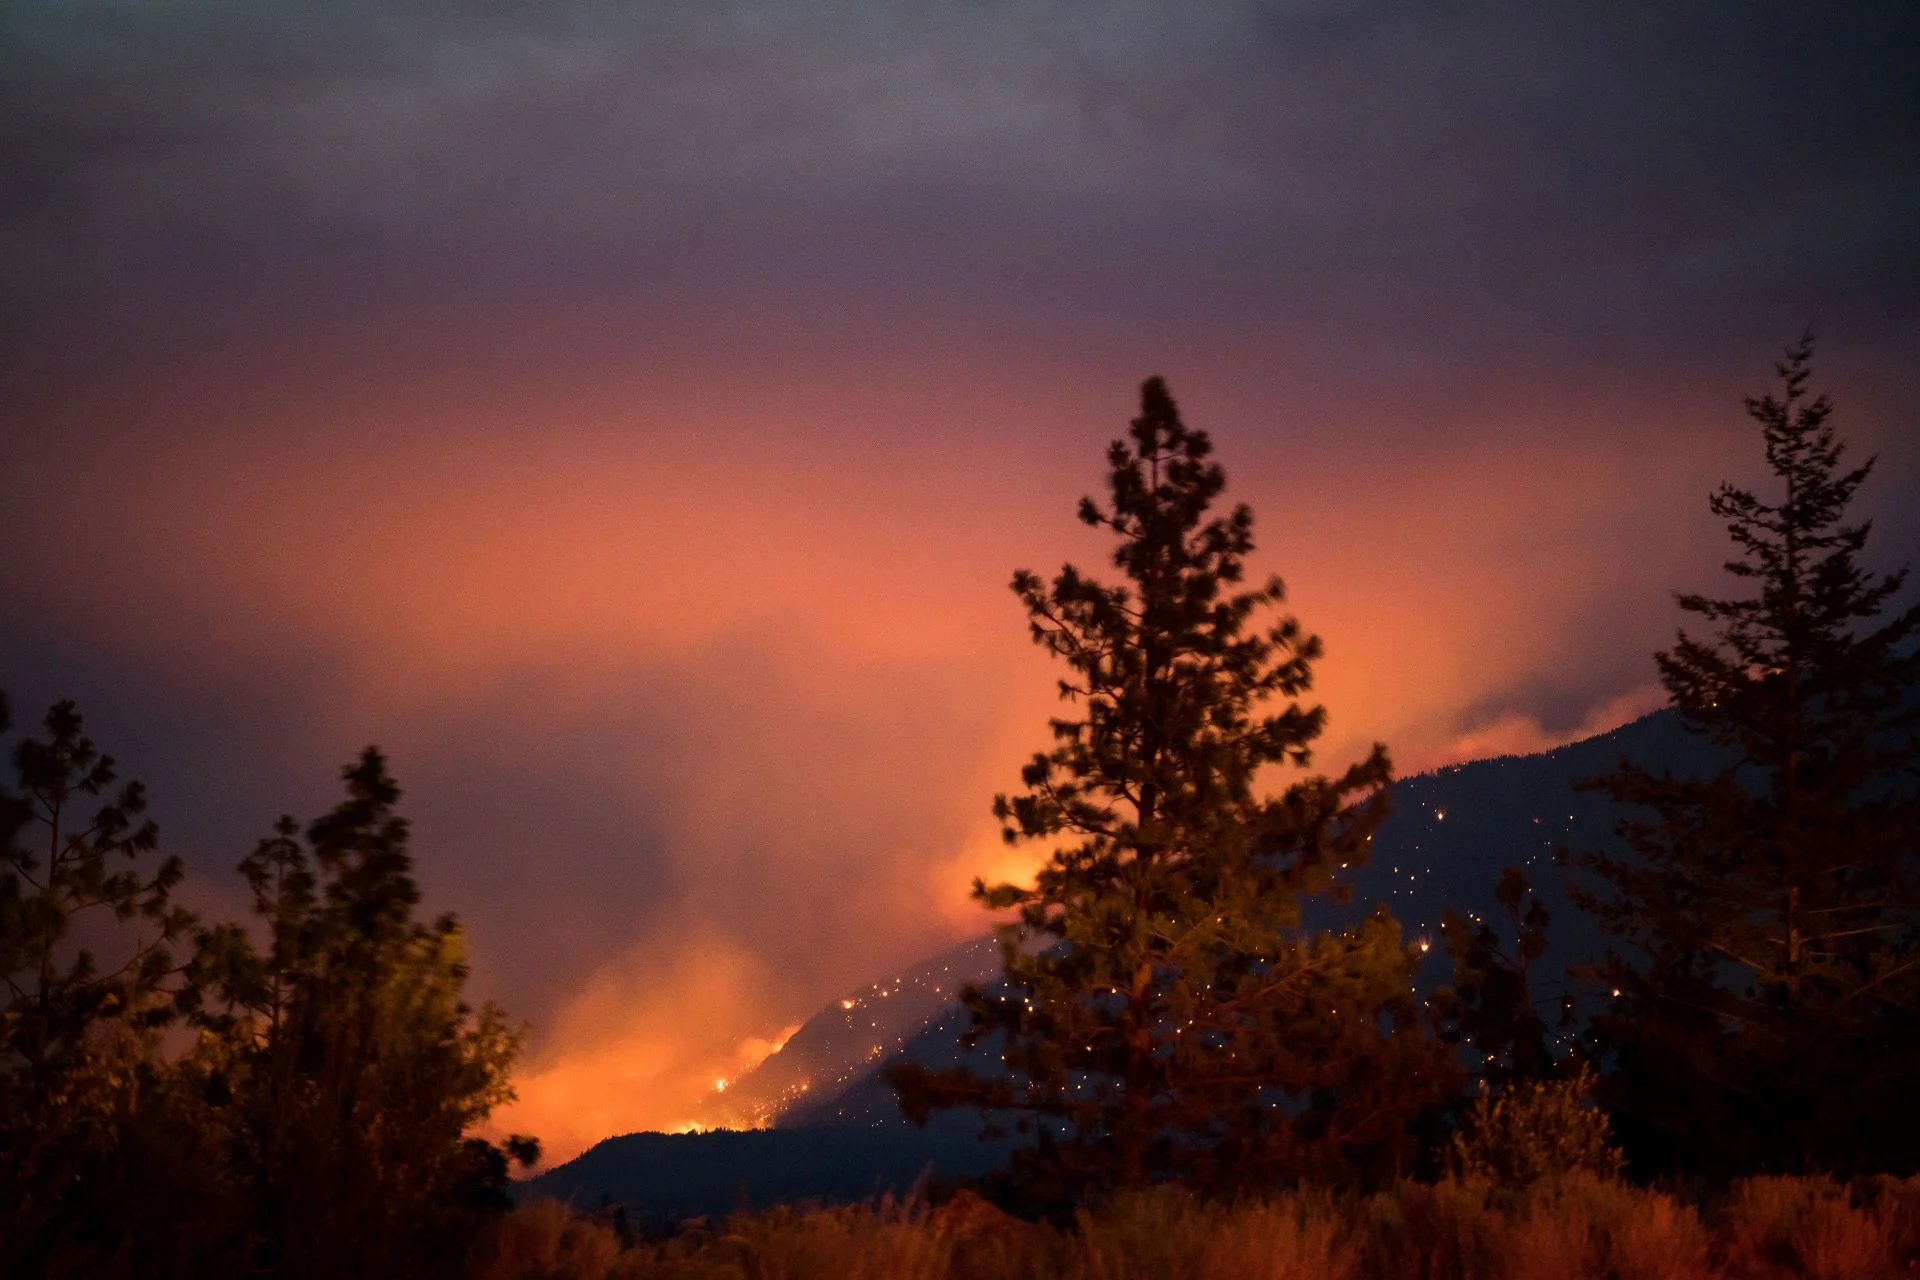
[(545, 1240), (1535, 1129)]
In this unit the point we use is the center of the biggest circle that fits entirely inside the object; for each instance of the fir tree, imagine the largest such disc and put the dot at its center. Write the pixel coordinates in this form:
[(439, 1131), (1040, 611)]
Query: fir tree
[(321, 1124), (1491, 1005), (1771, 1016), (1164, 1013), (353, 1066), (79, 864), (88, 938)]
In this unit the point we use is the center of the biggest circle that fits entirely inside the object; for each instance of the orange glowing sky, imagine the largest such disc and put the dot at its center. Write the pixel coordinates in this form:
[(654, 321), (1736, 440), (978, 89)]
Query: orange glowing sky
[(631, 423)]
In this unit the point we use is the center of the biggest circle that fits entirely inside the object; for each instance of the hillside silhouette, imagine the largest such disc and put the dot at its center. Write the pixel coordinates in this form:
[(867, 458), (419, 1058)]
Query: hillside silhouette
[(842, 1138)]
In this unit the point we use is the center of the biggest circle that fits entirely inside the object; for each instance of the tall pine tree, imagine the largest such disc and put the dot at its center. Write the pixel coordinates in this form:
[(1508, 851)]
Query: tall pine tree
[(89, 943), (1769, 1018), (1164, 1012), (352, 1067), (319, 1126)]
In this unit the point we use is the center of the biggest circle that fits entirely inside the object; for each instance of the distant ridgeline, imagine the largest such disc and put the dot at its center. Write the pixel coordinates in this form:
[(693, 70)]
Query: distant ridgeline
[(836, 1133), (1452, 832), (847, 1041)]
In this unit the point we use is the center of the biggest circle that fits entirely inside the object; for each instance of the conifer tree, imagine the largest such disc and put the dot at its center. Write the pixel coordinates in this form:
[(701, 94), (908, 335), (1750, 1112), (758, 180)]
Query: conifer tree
[(71, 864), (320, 1126), (1769, 1018), (1492, 1006), (1164, 1012), (88, 938), (354, 1066)]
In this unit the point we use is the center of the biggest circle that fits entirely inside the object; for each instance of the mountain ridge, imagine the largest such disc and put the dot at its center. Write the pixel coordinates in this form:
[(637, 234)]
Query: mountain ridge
[(1450, 832)]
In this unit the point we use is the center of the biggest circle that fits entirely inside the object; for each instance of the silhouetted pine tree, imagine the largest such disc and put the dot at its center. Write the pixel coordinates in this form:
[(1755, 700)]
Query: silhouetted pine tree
[(1771, 1016), (1164, 1013), (69, 864), (1492, 1005), (353, 1067), (88, 935), (320, 1125)]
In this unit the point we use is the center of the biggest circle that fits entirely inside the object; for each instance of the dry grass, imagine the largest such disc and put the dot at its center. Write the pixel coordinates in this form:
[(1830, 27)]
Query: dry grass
[(1813, 1227), (1579, 1227)]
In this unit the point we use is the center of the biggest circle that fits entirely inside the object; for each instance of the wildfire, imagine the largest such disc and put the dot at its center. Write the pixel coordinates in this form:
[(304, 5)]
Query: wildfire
[(755, 1050)]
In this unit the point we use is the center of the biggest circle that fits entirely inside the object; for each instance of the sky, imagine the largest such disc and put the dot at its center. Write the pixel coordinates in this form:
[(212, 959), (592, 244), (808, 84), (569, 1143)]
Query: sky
[(629, 416)]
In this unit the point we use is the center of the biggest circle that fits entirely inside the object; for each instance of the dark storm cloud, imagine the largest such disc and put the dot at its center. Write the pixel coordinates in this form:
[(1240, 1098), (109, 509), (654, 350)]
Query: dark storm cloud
[(1533, 167)]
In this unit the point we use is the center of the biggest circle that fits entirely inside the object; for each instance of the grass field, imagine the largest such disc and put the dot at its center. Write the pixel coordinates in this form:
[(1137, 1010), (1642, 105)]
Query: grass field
[(1572, 1229)]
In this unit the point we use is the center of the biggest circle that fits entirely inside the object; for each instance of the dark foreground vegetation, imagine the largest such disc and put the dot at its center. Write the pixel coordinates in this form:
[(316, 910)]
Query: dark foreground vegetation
[(1577, 1228), (189, 1099), (1198, 1080)]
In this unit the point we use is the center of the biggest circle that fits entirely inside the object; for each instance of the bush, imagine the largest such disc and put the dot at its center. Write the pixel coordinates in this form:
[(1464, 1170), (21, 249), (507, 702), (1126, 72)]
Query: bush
[(1577, 1226), (1536, 1129), (1816, 1228), (545, 1240)]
